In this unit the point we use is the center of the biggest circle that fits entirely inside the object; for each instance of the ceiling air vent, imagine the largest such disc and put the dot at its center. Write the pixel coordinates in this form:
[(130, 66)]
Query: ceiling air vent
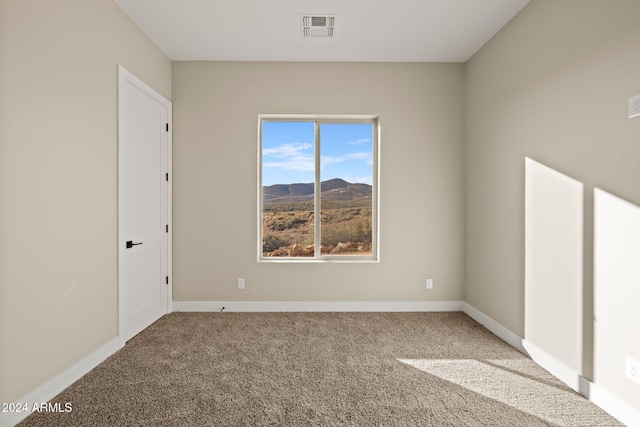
[(317, 25)]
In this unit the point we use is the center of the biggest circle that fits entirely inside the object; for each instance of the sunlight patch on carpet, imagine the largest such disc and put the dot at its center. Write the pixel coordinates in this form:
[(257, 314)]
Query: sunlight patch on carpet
[(519, 383)]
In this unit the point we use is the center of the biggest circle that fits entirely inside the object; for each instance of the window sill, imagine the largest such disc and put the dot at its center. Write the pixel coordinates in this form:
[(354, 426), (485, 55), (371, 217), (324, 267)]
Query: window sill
[(323, 260)]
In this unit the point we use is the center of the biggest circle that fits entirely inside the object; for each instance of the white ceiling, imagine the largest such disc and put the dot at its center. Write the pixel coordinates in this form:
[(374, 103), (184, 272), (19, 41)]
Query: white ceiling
[(269, 30)]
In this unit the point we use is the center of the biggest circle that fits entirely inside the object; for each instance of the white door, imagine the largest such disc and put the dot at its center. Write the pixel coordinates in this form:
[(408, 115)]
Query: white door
[(144, 200)]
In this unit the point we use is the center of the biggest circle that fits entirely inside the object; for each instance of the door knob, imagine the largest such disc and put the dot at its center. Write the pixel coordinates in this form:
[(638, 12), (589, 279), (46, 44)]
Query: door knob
[(130, 244)]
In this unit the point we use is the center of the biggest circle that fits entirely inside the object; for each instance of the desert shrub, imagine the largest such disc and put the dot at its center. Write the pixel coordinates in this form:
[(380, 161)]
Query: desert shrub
[(279, 239), (360, 230), (300, 237), (273, 241), (357, 230), (332, 234), (285, 223), (294, 222)]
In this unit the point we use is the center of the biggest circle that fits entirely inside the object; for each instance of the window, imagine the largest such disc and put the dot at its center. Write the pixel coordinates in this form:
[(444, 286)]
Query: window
[(318, 188)]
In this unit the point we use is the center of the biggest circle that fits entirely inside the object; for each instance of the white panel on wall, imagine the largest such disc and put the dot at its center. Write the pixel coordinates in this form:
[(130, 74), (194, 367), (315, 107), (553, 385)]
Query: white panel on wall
[(617, 292), (554, 263)]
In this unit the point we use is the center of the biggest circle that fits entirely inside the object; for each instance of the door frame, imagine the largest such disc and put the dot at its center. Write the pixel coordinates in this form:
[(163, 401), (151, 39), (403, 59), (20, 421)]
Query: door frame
[(126, 76)]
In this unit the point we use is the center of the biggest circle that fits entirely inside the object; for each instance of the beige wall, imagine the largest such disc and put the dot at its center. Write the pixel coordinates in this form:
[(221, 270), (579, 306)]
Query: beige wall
[(216, 107), (58, 180), (553, 85)]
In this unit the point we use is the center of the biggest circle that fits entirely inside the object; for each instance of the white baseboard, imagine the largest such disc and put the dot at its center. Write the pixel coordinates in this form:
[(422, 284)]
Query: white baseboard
[(496, 328), (57, 384), (318, 306), (561, 371)]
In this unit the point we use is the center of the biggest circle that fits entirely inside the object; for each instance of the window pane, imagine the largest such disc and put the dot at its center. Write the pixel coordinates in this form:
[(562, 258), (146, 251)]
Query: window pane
[(288, 189), (346, 159)]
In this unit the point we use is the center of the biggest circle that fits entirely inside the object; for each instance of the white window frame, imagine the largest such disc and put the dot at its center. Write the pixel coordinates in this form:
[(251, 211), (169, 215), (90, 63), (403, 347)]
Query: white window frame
[(375, 190)]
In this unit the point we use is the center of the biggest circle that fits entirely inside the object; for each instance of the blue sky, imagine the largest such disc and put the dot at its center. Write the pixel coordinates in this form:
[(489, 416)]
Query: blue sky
[(288, 152)]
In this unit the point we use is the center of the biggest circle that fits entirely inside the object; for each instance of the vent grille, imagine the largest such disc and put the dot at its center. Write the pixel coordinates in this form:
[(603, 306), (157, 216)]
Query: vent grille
[(317, 25), (318, 21)]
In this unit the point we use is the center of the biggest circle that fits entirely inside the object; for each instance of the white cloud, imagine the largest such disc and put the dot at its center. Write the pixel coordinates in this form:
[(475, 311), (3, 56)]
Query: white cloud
[(287, 150), (330, 160), (290, 157), (300, 164)]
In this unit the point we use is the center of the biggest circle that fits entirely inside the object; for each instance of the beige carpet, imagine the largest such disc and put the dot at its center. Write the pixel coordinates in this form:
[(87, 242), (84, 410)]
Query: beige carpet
[(296, 369)]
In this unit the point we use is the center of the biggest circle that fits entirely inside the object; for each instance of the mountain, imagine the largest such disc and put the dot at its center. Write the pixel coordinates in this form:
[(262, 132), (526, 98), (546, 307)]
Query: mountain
[(332, 189)]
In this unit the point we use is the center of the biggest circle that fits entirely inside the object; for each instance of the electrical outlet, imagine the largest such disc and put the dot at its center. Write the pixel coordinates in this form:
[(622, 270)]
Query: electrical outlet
[(240, 283), (632, 369), (634, 106), (429, 283)]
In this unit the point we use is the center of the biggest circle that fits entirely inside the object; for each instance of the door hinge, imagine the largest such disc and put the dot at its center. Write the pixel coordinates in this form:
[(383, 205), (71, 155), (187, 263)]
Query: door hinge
[(166, 176), (167, 127), (167, 280), (167, 228)]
